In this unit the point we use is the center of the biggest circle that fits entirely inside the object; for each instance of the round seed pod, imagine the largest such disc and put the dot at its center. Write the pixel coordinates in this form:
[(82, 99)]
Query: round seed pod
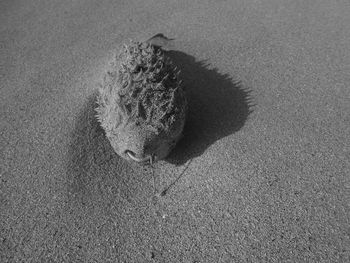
[(141, 103)]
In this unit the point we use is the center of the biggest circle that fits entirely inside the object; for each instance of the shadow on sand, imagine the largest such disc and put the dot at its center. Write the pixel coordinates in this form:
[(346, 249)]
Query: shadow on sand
[(218, 107)]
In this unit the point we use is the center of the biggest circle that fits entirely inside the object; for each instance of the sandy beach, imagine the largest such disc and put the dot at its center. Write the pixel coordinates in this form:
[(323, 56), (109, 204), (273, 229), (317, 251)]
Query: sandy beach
[(262, 173)]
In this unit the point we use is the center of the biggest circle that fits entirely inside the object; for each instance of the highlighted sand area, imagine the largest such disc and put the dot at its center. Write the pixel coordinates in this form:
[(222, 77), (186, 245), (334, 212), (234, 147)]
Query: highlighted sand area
[(261, 173)]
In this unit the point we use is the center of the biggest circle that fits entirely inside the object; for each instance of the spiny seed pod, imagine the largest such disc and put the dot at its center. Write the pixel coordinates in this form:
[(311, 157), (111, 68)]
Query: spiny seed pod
[(141, 103)]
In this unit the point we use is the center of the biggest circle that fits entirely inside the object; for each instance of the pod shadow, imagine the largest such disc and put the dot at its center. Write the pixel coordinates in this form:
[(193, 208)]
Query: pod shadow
[(218, 106)]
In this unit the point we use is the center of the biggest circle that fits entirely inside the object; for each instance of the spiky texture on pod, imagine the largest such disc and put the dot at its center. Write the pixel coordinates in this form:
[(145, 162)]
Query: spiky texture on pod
[(142, 87)]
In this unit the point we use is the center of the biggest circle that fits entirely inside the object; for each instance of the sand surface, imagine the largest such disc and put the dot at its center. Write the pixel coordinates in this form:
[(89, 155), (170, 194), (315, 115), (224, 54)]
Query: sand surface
[(262, 174)]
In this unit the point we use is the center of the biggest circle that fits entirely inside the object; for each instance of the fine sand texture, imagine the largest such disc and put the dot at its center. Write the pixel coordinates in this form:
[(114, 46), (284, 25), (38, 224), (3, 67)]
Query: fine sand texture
[(262, 173)]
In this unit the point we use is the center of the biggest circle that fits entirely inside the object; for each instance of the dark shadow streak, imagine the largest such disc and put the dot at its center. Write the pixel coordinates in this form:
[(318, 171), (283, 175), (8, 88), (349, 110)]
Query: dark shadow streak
[(166, 189)]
